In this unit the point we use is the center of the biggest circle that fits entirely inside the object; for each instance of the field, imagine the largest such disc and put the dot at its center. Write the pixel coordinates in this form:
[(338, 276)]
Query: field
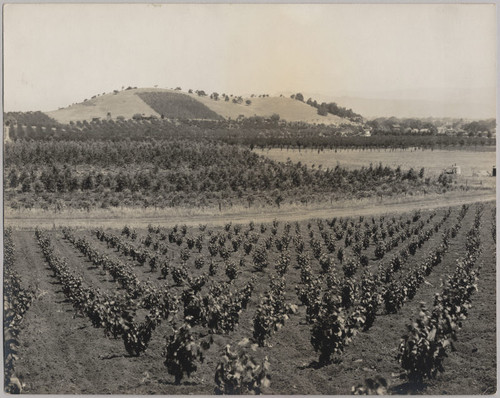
[(278, 285), (473, 163), (176, 105)]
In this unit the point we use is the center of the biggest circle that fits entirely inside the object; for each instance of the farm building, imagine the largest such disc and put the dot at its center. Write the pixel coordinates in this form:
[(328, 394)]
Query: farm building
[(453, 170)]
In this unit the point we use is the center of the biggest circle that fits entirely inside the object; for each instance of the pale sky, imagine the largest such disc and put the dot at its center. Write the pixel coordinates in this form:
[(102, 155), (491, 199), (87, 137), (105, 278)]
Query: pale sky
[(58, 54)]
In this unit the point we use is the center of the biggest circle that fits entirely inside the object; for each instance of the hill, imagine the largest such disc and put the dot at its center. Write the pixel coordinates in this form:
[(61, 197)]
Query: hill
[(176, 104), (289, 109)]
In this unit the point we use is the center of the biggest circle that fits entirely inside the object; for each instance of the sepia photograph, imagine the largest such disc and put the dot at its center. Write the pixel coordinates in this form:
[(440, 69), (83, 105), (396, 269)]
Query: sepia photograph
[(240, 199)]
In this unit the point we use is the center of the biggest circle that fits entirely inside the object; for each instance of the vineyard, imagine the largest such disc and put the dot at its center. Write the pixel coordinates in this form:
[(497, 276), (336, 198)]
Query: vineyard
[(398, 303), (179, 219)]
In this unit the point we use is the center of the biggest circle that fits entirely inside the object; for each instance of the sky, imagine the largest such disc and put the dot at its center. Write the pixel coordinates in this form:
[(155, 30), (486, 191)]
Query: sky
[(59, 54)]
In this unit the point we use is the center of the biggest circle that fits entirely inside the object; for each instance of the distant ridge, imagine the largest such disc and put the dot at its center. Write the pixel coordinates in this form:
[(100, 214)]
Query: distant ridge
[(178, 104)]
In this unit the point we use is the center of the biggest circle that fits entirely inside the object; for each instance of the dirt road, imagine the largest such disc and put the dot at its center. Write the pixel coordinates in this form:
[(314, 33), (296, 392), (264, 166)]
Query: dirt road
[(345, 209)]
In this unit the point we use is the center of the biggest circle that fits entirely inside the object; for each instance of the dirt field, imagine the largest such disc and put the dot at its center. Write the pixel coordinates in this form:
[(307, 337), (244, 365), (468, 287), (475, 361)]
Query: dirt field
[(434, 161), (61, 352)]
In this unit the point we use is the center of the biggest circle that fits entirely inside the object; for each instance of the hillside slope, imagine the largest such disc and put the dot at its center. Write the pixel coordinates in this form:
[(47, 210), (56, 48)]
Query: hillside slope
[(289, 109), (172, 104), (125, 103)]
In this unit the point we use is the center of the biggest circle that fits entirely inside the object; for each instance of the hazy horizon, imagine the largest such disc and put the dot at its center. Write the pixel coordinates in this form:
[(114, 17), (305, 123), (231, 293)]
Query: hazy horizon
[(418, 53)]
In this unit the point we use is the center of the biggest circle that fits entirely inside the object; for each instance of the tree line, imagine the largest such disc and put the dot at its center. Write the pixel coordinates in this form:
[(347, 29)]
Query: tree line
[(251, 132)]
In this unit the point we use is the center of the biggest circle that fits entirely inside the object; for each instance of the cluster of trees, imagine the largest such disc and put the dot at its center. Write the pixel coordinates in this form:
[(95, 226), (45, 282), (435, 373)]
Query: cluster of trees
[(432, 126), (236, 99), (397, 126), (227, 97), (29, 119), (331, 107), (476, 128)]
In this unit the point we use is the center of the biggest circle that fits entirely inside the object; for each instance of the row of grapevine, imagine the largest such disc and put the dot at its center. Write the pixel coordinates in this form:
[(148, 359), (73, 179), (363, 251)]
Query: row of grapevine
[(397, 292), (119, 272), (149, 295), (272, 312), (350, 267), (383, 247), (423, 350), (494, 224), (347, 306), (141, 256), (116, 313), (17, 300), (389, 271), (218, 311), (180, 274)]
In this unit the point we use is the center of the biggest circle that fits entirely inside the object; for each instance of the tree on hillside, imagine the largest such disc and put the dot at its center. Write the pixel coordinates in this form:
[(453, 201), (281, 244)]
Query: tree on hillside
[(322, 110), (275, 117), (248, 102), (299, 97)]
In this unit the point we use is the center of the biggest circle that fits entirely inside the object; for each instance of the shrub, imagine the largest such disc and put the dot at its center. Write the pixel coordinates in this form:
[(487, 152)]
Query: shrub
[(182, 352), (237, 373)]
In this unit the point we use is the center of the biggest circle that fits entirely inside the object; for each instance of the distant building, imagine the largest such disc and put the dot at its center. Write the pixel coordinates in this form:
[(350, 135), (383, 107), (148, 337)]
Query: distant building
[(453, 170), (456, 170)]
